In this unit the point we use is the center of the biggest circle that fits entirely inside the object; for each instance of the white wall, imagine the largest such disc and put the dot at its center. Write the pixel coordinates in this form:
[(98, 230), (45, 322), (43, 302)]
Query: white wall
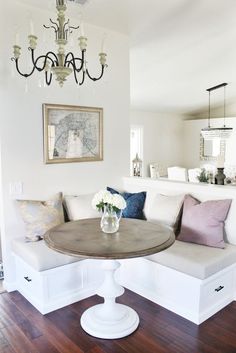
[(21, 120), (162, 138), (191, 138)]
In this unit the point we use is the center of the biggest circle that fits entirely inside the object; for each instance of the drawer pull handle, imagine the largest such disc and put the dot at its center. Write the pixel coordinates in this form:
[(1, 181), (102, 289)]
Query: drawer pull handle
[(219, 288), (28, 279)]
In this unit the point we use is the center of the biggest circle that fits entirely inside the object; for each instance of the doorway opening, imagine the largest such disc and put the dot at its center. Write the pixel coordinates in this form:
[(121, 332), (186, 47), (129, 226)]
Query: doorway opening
[(136, 144)]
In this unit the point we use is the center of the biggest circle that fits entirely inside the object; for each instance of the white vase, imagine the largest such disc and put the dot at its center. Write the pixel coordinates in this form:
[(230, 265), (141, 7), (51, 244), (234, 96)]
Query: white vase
[(110, 220)]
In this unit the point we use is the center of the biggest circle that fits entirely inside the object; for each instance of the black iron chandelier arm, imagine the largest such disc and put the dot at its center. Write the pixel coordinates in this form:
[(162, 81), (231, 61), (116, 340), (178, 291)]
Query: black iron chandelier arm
[(75, 76), (72, 27), (75, 70), (45, 57), (35, 67), (72, 62), (48, 80), (65, 24), (53, 27), (54, 23), (96, 78), (83, 78), (18, 70)]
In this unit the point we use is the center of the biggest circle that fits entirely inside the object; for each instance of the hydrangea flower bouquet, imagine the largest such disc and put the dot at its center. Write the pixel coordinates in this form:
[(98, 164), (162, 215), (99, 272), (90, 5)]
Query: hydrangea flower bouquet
[(111, 205)]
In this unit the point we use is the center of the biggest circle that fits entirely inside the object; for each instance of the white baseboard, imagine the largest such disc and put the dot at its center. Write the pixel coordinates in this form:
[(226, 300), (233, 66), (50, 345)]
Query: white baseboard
[(165, 303), (193, 317), (9, 286), (60, 302), (214, 309)]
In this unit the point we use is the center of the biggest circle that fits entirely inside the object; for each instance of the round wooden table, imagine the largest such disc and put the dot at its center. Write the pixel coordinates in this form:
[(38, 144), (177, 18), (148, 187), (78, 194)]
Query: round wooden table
[(135, 238)]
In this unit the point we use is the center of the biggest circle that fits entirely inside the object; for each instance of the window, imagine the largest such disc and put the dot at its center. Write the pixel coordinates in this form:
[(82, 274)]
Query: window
[(136, 144)]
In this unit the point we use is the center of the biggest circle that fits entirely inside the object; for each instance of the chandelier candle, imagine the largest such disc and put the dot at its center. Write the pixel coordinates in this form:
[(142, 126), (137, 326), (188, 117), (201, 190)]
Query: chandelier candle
[(31, 27), (60, 64), (17, 38)]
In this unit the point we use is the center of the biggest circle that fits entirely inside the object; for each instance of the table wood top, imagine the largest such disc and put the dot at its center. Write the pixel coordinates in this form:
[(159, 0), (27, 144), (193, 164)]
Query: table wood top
[(85, 238)]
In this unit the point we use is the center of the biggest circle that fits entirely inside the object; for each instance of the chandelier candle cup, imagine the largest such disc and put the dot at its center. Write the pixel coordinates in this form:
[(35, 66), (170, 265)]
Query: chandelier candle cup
[(32, 41), (103, 59), (83, 43), (17, 50), (111, 205)]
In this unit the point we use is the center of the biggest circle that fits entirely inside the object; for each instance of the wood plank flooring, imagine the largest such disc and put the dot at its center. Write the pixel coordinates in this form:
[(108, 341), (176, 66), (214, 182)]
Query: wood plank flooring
[(24, 330)]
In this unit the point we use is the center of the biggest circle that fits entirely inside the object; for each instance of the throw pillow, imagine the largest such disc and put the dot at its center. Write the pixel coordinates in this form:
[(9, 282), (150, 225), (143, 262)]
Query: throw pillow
[(166, 209), (203, 222), (134, 203), (80, 207), (40, 216)]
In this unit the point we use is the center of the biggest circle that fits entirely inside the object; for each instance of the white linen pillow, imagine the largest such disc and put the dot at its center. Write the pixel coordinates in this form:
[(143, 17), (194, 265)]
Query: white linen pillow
[(80, 207), (165, 209)]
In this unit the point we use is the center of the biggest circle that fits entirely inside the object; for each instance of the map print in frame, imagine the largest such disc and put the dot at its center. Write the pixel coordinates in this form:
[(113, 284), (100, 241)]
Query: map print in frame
[(72, 133)]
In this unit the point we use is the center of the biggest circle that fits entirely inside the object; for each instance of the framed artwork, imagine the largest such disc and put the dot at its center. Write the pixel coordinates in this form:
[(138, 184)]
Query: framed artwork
[(72, 133)]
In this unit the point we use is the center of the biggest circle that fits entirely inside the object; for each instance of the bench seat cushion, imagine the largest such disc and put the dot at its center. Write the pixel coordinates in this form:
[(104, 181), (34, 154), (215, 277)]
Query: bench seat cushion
[(196, 260), (39, 256)]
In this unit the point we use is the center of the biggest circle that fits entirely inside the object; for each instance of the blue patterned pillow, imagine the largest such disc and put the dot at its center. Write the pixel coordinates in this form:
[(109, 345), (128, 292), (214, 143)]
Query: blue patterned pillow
[(135, 203)]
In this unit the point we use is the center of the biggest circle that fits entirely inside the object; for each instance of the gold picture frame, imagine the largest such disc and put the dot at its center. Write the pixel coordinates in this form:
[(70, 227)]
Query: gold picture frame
[(72, 133)]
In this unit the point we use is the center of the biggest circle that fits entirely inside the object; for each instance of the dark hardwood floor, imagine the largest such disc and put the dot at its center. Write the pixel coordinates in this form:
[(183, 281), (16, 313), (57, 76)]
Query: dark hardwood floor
[(24, 330)]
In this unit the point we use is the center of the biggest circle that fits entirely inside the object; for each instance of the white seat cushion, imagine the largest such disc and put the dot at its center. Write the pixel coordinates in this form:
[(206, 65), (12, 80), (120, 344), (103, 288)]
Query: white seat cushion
[(39, 256), (196, 260)]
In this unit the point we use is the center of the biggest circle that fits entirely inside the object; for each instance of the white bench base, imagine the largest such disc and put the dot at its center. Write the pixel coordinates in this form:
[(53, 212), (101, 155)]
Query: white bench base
[(55, 288), (189, 297)]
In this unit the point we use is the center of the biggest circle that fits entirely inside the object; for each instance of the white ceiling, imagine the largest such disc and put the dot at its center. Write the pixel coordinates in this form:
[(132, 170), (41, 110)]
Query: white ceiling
[(178, 48)]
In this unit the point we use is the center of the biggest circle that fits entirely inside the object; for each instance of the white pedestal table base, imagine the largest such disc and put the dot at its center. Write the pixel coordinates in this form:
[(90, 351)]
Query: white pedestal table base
[(110, 320)]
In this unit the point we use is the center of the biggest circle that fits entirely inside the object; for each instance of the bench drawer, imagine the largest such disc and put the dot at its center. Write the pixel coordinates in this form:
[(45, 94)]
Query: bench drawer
[(29, 280), (54, 288), (216, 291)]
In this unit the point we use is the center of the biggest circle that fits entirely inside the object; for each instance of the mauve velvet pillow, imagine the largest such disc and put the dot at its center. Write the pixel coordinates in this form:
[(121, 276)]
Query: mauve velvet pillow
[(203, 222)]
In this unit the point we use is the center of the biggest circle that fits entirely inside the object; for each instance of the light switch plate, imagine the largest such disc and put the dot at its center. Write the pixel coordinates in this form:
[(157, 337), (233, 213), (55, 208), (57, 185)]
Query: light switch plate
[(16, 188)]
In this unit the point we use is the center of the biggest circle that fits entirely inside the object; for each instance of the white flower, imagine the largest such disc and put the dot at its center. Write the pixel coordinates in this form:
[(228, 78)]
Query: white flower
[(118, 201), (105, 197), (99, 198), (108, 198)]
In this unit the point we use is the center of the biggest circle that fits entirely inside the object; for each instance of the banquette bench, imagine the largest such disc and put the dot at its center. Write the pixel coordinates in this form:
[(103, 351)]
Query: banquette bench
[(194, 281)]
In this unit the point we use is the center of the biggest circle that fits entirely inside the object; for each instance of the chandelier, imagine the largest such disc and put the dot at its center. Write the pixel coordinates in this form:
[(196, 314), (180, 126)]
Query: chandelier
[(209, 132), (60, 64)]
